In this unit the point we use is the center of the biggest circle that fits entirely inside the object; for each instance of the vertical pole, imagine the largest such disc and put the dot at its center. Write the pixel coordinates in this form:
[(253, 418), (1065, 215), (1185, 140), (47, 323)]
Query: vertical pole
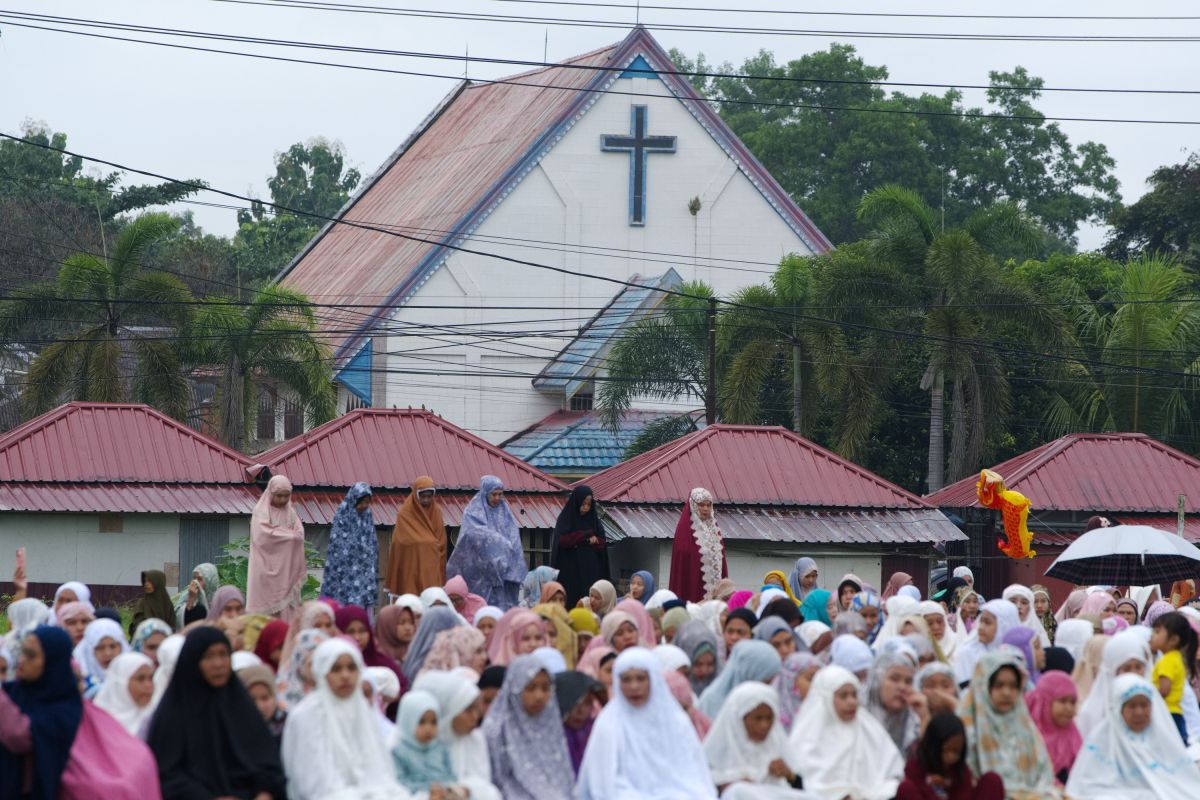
[(710, 389), (1179, 515)]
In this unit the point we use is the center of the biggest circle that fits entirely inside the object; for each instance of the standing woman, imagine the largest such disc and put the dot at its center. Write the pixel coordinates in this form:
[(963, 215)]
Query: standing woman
[(418, 556), (192, 605), (525, 739), (352, 564), (277, 569), (488, 552), (698, 553), (155, 603), (579, 551), (207, 734)]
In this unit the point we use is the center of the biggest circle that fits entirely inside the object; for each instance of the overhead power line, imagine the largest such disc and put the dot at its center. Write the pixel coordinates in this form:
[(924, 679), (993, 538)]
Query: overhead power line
[(521, 81)]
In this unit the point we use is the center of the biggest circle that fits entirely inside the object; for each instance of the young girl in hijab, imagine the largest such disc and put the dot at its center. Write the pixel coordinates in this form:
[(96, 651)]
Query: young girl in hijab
[(819, 605), (618, 764), (1001, 736), (103, 640), (331, 743), (802, 579), (524, 733), (296, 680), (576, 695), (1135, 753), (127, 691), (208, 738), (460, 646), (967, 610), (277, 568), (1022, 597), (938, 769), (1127, 652), (602, 597), (750, 660), (791, 686), (433, 622), (746, 745), (155, 603), (870, 608), (421, 759), (460, 708), (847, 587), (837, 747), (519, 632), (260, 685), (996, 618), (940, 632), (269, 647), (354, 622), (1052, 706)]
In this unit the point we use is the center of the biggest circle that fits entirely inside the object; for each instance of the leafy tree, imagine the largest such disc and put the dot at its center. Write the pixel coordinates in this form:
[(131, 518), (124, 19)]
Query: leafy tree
[(118, 313), (1165, 220), (1140, 357), (272, 337), (663, 357), (309, 178), (968, 301), (797, 119)]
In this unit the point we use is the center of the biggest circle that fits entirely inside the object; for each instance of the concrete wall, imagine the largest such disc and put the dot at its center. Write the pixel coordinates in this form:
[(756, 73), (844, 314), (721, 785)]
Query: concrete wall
[(62, 547), (576, 198)]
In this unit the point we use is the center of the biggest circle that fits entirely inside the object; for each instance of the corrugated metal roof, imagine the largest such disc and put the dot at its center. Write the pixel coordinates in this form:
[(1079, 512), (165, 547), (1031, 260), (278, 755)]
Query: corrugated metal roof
[(116, 442), (1191, 530), (389, 448), (900, 526), (1093, 472), (749, 464), (532, 511), (577, 443), (128, 498), (459, 165), (579, 361)]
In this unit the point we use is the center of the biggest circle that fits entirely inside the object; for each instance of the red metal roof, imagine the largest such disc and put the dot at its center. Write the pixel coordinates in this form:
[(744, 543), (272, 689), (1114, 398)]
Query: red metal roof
[(115, 443), (461, 162), (748, 465), (532, 511), (1097, 472), (129, 498), (389, 448)]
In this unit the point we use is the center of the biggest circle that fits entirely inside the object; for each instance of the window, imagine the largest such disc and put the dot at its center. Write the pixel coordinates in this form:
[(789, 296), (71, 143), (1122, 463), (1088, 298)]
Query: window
[(265, 426), (537, 544), (581, 402), (112, 523), (293, 419)]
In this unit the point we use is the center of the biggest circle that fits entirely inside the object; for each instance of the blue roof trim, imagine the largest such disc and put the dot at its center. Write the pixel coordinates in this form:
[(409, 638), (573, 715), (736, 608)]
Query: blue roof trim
[(640, 68), (356, 375), (576, 363), (579, 446)]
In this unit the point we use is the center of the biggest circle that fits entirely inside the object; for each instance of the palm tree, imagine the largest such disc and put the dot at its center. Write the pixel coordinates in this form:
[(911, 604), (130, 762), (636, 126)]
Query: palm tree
[(1141, 357), (270, 338), (968, 300), (117, 314), (794, 338), (664, 357)]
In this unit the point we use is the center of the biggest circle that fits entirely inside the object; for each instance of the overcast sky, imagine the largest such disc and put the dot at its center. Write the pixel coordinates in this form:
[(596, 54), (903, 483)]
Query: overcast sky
[(222, 118)]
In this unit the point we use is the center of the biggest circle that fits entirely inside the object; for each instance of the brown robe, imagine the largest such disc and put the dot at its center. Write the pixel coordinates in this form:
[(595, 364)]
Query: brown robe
[(418, 556)]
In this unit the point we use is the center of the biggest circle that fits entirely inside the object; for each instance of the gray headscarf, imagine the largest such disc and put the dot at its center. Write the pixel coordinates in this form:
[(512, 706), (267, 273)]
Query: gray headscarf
[(696, 638), (802, 567), (902, 726), (433, 622)]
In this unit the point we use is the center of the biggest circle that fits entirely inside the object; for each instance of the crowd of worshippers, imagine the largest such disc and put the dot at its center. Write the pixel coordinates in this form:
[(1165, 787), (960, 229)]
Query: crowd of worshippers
[(475, 677)]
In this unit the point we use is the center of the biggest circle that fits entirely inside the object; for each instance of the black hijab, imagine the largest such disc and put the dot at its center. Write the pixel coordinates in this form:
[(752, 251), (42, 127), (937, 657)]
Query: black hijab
[(54, 708), (571, 520), (570, 687), (211, 741)]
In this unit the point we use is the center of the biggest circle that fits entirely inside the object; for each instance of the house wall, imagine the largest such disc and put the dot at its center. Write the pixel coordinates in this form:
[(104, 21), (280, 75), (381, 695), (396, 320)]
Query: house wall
[(577, 196), (63, 547)]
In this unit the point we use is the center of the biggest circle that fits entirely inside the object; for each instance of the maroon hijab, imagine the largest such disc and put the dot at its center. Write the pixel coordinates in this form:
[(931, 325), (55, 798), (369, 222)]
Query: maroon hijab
[(372, 655)]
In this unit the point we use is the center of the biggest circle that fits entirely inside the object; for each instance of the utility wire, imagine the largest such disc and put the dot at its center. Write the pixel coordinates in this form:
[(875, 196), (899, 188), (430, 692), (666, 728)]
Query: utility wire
[(961, 113)]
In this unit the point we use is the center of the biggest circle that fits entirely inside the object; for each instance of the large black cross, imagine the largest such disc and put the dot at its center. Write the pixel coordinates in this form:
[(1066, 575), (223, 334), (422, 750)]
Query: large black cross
[(638, 145)]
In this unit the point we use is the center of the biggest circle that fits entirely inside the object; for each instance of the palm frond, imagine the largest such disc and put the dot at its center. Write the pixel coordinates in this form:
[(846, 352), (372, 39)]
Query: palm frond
[(134, 242), (898, 203), (49, 375), (160, 380)]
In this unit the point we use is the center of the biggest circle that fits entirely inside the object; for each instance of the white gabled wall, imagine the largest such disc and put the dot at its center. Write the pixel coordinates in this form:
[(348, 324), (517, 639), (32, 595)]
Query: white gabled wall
[(576, 196)]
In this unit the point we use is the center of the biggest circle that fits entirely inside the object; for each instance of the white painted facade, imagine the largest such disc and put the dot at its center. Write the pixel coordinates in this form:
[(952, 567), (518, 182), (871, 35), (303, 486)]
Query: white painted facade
[(63, 547), (576, 199)]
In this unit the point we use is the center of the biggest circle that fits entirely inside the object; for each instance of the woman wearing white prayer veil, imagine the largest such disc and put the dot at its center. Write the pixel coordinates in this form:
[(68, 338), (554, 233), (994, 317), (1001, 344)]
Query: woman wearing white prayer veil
[(1127, 652), (996, 618), (838, 748), (643, 746), (1022, 597), (1135, 753), (128, 690), (749, 767), (331, 744)]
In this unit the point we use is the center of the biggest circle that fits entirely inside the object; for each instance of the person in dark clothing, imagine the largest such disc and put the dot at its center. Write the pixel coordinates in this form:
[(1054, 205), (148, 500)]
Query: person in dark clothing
[(579, 551)]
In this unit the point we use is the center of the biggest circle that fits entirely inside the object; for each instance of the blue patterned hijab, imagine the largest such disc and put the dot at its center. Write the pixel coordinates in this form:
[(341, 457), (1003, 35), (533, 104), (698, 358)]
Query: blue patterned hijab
[(488, 553), (352, 563)]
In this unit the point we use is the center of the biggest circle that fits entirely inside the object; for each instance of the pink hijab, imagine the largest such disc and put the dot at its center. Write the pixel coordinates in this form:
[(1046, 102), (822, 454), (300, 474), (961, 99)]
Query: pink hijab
[(507, 634), (1095, 604), (107, 762), (641, 618), (1062, 743), (277, 568), (471, 602), (682, 690), (894, 583), (1070, 607)]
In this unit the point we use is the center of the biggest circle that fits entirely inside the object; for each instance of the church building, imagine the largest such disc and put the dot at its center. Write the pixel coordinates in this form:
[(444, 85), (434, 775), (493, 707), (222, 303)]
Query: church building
[(485, 270)]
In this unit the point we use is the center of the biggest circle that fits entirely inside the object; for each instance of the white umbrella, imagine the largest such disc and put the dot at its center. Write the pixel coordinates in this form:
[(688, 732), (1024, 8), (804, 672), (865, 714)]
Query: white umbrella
[(1124, 555)]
